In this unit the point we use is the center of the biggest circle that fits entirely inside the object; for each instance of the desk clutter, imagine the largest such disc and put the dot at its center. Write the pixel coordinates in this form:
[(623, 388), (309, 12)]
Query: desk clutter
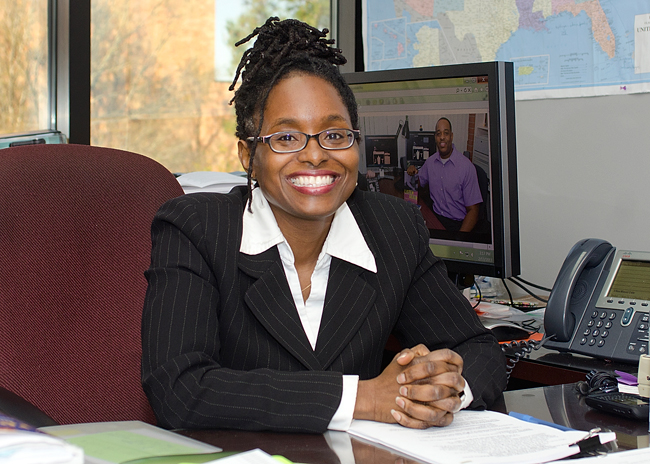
[(20, 443), (474, 437), (210, 181), (122, 442), (564, 406), (500, 317), (130, 441)]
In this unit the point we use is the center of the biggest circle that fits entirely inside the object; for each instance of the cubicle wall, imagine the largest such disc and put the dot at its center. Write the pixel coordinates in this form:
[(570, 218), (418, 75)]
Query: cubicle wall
[(584, 171)]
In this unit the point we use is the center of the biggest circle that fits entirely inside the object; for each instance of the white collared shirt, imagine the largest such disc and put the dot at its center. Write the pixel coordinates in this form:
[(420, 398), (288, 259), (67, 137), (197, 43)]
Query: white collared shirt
[(344, 241), (260, 231)]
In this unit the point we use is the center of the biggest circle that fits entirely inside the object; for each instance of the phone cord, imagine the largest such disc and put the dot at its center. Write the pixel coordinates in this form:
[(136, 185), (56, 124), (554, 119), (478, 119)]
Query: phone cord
[(515, 350)]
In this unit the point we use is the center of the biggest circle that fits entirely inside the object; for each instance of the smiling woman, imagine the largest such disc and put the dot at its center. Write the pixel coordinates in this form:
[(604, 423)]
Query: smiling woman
[(309, 184), (269, 307)]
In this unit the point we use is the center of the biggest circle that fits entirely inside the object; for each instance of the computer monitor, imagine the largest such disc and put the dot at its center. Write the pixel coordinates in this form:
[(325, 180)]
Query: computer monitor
[(419, 145), (478, 101), (381, 150)]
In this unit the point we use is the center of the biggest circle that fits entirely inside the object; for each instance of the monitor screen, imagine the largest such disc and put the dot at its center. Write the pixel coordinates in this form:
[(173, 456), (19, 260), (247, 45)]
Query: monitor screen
[(419, 145), (456, 126), (381, 150)]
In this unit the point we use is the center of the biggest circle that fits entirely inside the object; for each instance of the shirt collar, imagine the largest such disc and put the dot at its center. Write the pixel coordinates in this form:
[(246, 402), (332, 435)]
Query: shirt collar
[(451, 158), (344, 240)]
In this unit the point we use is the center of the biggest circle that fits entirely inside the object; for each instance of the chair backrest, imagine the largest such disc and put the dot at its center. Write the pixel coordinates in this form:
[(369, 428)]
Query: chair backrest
[(74, 244)]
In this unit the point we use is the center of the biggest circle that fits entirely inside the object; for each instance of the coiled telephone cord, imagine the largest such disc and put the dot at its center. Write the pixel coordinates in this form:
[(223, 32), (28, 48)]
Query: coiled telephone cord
[(517, 349)]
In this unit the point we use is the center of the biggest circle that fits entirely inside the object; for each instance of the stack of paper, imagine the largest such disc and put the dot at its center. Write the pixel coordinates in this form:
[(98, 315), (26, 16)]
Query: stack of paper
[(22, 444), (477, 437), (209, 181)]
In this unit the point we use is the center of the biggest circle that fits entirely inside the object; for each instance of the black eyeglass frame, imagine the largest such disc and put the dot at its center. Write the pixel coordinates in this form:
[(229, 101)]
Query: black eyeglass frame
[(265, 139)]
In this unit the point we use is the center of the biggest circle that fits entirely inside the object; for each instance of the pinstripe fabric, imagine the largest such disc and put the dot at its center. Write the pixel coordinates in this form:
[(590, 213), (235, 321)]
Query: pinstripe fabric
[(223, 345)]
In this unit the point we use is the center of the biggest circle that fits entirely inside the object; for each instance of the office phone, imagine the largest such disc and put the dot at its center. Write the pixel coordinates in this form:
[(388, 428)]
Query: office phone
[(599, 303)]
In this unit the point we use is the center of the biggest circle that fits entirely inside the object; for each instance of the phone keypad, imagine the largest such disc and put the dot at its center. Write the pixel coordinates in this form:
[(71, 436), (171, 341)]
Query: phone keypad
[(595, 336), (606, 331)]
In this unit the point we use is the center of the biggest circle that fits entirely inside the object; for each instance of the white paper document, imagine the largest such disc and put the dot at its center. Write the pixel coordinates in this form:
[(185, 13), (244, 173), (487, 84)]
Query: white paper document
[(476, 437), (256, 456), (20, 443)]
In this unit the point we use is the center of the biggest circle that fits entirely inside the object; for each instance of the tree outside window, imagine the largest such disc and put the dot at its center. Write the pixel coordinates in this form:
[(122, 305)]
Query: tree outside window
[(24, 102), (153, 88)]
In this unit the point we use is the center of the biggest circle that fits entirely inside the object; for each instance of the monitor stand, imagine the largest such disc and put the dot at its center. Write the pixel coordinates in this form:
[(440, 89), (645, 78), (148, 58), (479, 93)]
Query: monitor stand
[(461, 281)]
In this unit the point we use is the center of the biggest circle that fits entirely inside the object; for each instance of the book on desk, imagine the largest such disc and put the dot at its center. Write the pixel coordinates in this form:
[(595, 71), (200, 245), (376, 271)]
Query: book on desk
[(130, 441)]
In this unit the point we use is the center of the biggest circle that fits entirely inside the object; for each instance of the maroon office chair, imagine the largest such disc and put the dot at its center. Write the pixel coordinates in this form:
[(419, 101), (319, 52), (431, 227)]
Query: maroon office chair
[(74, 244)]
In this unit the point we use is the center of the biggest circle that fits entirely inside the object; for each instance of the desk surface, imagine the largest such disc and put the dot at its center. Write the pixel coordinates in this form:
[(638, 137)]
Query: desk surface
[(560, 404), (549, 367)]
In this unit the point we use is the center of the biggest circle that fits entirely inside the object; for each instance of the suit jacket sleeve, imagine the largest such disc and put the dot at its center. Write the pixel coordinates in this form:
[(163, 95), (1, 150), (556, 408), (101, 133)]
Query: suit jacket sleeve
[(183, 371), (437, 314)]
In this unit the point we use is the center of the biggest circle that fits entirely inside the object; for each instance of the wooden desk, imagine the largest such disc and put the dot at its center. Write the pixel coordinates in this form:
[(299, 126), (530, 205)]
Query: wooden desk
[(299, 448), (560, 404), (303, 448), (549, 367), (563, 405)]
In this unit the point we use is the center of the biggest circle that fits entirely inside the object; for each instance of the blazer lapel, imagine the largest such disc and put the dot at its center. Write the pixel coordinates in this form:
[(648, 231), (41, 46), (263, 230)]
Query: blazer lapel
[(270, 300), (347, 302)]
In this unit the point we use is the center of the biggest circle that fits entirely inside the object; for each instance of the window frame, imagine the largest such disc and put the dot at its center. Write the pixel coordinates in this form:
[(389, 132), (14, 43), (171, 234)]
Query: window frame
[(71, 69), (69, 59), (347, 31)]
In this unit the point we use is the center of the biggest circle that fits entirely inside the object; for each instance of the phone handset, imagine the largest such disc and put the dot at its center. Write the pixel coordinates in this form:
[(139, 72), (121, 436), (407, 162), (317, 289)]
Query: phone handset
[(559, 320)]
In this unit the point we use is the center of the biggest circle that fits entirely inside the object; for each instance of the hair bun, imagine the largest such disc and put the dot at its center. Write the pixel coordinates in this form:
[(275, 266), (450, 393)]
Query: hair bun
[(278, 39)]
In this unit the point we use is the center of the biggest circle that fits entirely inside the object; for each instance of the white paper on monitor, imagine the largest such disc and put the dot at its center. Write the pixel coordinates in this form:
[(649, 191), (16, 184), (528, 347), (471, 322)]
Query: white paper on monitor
[(475, 437)]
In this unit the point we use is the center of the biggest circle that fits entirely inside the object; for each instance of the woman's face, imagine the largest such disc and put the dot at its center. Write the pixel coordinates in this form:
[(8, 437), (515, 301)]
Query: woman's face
[(312, 183)]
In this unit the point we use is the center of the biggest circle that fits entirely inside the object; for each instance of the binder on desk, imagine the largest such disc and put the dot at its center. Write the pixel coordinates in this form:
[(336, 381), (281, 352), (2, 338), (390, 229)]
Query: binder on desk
[(123, 441)]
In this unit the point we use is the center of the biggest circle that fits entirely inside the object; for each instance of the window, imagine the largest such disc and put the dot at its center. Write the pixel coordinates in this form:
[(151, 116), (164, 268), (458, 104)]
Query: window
[(160, 72), (24, 95)]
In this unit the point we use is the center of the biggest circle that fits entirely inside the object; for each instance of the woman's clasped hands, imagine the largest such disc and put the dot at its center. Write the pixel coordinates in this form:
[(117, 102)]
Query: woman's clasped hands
[(418, 389)]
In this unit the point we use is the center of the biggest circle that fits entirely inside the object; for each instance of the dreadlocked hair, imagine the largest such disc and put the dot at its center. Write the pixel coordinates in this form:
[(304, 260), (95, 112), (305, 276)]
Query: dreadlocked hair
[(282, 48)]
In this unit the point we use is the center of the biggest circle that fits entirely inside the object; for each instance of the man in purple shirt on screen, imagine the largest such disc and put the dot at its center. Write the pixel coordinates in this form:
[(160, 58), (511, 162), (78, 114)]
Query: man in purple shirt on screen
[(452, 180)]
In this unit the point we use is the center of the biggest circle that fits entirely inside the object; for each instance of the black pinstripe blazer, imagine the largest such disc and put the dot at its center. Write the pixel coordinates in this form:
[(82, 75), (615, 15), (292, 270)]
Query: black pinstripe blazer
[(223, 345)]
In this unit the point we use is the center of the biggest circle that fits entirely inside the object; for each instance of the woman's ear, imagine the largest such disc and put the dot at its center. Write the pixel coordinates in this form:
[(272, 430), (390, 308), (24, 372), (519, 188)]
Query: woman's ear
[(244, 154)]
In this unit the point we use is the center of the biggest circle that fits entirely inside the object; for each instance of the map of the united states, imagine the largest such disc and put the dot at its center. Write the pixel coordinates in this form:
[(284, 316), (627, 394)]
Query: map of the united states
[(556, 45)]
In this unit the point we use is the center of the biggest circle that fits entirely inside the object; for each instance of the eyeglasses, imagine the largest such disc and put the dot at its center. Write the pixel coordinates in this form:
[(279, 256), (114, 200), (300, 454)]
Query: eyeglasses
[(292, 141)]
